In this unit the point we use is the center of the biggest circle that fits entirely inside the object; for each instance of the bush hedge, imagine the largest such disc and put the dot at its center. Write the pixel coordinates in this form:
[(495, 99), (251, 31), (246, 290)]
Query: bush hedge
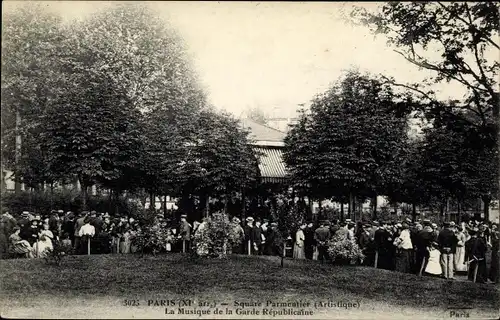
[(44, 201)]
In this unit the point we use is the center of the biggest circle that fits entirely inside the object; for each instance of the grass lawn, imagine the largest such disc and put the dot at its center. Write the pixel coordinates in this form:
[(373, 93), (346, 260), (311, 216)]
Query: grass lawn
[(97, 287)]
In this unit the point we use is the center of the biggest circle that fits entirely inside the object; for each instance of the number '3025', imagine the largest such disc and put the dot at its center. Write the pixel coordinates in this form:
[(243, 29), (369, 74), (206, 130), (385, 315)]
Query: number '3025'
[(131, 303)]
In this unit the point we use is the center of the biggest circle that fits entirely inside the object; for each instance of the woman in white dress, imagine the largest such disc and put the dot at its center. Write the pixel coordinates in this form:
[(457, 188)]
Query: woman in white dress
[(433, 266), (44, 242), (298, 247), (459, 258)]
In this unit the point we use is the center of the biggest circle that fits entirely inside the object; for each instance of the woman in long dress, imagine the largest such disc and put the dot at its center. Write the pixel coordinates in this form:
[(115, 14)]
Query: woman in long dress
[(44, 243), (19, 246), (298, 247), (125, 241), (433, 267), (459, 258)]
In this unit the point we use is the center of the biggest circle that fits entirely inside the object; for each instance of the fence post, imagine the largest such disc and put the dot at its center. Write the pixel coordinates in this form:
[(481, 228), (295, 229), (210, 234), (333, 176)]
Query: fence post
[(88, 245), (249, 248), (284, 254)]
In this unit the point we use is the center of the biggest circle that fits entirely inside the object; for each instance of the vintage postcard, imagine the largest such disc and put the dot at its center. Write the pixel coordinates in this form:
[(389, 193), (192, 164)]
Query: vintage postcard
[(250, 160)]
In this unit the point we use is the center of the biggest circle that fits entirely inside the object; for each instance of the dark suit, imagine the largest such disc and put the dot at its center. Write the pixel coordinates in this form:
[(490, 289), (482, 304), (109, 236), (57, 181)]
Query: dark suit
[(383, 245), (249, 236), (423, 240), (322, 235), (257, 239), (309, 242), (475, 251)]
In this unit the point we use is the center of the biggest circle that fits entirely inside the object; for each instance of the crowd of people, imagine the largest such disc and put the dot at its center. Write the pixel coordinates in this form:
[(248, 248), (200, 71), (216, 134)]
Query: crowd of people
[(421, 247), (34, 235)]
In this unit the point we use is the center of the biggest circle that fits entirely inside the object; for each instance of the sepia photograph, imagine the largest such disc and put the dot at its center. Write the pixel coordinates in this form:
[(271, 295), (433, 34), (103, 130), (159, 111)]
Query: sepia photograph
[(250, 160)]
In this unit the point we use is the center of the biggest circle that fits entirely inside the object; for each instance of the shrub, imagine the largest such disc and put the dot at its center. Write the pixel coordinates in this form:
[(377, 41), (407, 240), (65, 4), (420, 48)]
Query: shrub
[(68, 200), (152, 238), (344, 251), (217, 237), (57, 253), (290, 217)]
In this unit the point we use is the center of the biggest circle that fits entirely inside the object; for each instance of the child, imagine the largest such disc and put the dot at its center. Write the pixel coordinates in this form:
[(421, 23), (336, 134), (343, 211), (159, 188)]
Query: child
[(433, 267), (66, 242), (170, 238)]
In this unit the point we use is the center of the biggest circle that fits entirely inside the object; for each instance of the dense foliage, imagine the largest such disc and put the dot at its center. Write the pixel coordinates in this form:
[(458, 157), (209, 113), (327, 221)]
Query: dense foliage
[(344, 251), (112, 100), (217, 237), (465, 36), (350, 141)]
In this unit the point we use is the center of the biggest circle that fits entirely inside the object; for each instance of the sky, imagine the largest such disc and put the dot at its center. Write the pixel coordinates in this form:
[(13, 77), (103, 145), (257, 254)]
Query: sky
[(273, 56)]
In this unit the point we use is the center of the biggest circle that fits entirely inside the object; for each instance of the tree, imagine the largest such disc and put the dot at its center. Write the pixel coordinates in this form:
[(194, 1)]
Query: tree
[(456, 161), (350, 140), (220, 160), (31, 38), (465, 35), (123, 72)]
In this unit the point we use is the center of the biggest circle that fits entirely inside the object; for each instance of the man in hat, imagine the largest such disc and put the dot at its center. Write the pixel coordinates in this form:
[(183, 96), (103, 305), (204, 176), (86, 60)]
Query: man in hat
[(495, 253), (373, 229), (475, 255), (257, 236), (366, 245), (273, 240), (86, 233), (249, 235), (321, 236), (68, 227), (30, 231), (383, 245), (447, 241), (423, 238), (342, 231), (309, 240), (78, 225), (185, 232), (54, 223), (25, 220), (238, 230)]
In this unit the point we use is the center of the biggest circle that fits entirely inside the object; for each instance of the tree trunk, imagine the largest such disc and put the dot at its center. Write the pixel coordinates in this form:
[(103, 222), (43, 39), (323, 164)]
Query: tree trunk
[(486, 208), (496, 115), (243, 205), (152, 202), (448, 211), (51, 195), (84, 191), (110, 200), (342, 212), (459, 213), (118, 195), (164, 206), (311, 206), (225, 199), (351, 205), (441, 212), (17, 183), (355, 208), (207, 206), (85, 196), (413, 212)]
